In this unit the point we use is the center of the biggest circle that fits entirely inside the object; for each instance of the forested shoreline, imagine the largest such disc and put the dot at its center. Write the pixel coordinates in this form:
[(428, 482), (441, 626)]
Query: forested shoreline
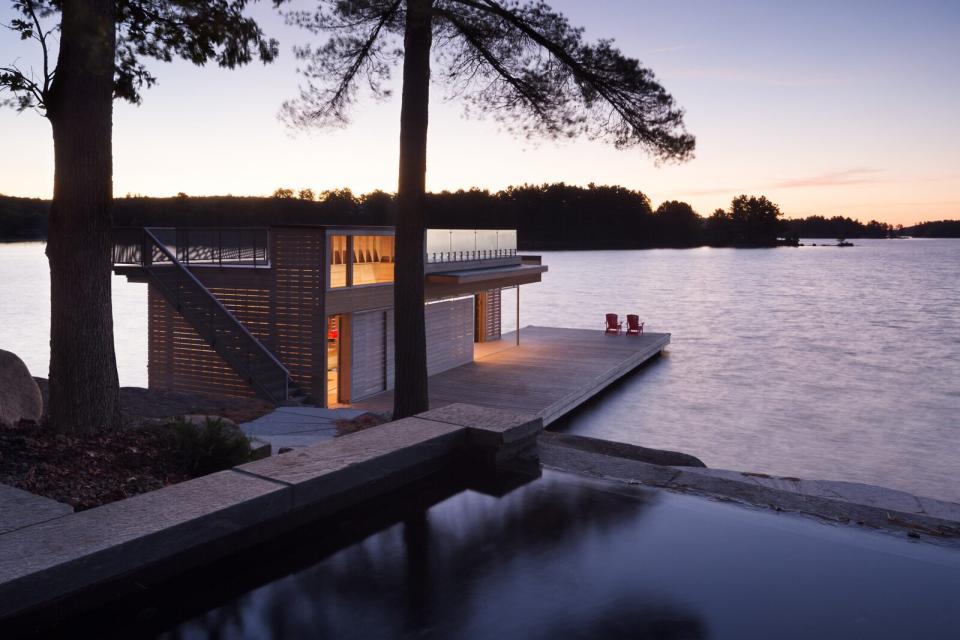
[(552, 216)]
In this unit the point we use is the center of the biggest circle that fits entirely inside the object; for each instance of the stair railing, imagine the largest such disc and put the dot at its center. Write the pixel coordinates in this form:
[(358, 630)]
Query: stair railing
[(252, 346)]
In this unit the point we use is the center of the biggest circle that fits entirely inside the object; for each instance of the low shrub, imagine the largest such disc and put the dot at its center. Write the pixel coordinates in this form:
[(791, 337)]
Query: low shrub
[(209, 446)]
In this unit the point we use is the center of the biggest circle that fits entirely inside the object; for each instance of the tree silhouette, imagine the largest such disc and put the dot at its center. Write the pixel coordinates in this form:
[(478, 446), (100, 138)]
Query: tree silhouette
[(756, 220), (677, 225), (519, 61), (102, 45)]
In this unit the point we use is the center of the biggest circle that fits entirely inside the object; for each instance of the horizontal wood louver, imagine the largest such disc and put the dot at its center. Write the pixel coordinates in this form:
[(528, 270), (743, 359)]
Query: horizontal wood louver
[(493, 314), (300, 334), (180, 360), (487, 316)]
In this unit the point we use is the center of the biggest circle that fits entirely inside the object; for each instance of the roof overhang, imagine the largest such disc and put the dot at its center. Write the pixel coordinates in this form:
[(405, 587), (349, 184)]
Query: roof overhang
[(466, 280)]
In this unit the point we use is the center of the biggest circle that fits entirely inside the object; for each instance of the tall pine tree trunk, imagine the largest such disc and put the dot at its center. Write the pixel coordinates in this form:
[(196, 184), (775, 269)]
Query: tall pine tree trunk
[(410, 394), (84, 392)]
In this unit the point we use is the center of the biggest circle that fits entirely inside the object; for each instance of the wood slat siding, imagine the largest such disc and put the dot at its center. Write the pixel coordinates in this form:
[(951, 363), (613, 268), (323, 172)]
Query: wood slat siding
[(369, 354), (180, 360), (449, 327), (281, 307), (494, 312), (298, 320), (234, 278), (251, 307), (487, 316)]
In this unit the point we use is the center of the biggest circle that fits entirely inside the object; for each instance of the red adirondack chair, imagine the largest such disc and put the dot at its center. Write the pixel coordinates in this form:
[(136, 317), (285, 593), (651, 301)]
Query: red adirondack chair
[(634, 326), (613, 326)]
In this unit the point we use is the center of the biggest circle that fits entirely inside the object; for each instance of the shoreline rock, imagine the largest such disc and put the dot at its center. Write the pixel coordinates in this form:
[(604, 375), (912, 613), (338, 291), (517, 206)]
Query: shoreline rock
[(833, 500), (20, 397)]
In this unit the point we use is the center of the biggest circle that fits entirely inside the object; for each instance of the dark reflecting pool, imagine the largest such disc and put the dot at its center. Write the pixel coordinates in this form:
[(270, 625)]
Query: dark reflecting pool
[(567, 557)]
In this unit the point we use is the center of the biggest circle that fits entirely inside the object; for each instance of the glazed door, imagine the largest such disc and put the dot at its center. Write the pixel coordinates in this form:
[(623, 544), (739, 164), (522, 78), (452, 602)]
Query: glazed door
[(334, 358)]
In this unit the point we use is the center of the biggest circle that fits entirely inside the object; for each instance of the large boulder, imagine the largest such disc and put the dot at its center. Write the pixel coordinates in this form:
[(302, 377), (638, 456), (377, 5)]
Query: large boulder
[(20, 397)]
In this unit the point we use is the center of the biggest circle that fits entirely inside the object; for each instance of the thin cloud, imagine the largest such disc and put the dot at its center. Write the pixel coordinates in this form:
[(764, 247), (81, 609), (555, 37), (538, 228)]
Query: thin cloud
[(833, 179), (859, 175)]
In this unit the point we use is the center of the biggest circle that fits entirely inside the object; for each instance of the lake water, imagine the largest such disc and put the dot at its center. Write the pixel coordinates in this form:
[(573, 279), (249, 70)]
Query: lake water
[(815, 362), (560, 557)]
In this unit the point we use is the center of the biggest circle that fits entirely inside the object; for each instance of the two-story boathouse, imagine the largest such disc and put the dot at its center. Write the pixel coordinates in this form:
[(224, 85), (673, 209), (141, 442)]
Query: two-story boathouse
[(305, 312)]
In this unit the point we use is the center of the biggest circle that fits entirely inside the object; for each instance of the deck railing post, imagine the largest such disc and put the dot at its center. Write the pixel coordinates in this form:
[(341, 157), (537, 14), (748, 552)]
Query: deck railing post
[(518, 315)]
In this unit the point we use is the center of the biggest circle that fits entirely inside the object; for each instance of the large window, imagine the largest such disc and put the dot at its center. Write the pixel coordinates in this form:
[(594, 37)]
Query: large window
[(338, 261), (373, 258)]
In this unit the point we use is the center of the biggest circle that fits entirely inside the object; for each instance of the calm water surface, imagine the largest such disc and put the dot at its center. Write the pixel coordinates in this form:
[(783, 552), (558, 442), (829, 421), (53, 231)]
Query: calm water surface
[(815, 362), (565, 557)]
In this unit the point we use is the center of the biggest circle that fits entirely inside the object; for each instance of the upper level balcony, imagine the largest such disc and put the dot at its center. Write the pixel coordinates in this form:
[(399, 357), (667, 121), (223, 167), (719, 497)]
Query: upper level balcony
[(455, 260), (445, 246), (465, 260), (247, 247)]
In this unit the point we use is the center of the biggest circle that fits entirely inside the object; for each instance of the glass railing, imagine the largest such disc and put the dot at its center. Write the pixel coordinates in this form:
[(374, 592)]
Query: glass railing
[(233, 247), (467, 245)]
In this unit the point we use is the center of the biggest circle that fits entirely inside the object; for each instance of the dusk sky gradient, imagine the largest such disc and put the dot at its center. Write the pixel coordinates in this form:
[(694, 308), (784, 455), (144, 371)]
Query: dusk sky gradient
[(833, 108)]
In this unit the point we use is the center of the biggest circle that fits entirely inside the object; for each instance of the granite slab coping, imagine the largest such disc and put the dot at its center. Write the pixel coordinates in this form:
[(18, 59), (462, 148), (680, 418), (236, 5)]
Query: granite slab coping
[(19, 508), (47, 560), (487, 426), (320, 471)]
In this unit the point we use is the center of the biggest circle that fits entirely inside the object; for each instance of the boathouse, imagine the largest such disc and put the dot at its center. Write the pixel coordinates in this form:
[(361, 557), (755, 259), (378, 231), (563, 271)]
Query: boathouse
[(304, 313)]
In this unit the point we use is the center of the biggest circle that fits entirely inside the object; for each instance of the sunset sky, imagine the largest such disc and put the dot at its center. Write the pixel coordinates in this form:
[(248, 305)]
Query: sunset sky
[(825, 107)]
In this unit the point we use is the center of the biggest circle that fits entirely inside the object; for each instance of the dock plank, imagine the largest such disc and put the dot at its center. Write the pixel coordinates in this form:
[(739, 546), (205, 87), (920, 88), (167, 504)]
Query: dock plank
[(551, 372)]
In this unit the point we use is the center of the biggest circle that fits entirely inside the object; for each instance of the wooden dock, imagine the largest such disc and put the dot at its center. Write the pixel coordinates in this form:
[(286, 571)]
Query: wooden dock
[(549, 374)]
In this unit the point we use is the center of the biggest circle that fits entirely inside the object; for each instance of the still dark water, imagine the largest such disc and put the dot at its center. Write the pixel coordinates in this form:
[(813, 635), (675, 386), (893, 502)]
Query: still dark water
[(567, 557), (816, 362)]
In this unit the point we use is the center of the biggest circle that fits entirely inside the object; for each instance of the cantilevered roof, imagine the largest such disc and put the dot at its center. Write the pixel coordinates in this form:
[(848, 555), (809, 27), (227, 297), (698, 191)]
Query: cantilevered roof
[(512, 273)]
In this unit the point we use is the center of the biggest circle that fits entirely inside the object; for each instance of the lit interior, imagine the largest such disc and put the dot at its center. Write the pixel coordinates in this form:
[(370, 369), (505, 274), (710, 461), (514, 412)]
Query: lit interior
[(373, 258)]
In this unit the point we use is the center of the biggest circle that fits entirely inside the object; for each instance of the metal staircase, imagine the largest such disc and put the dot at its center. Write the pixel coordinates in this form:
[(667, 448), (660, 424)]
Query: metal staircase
[(218, 327)]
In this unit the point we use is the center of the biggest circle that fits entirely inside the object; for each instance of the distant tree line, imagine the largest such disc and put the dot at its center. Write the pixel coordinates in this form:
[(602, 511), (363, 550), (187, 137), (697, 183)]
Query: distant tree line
[(935, 229), (839, 227), (23, 218), (550, 216)]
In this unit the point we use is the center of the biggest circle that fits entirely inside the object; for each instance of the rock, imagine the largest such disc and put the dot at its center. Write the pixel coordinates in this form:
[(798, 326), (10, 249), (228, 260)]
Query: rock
[(20, 397), (259, 449), (660, 457), (359, 423)]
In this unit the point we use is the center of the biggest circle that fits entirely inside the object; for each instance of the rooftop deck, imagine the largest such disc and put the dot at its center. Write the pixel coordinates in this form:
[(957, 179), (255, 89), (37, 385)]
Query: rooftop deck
[(549, 374)]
